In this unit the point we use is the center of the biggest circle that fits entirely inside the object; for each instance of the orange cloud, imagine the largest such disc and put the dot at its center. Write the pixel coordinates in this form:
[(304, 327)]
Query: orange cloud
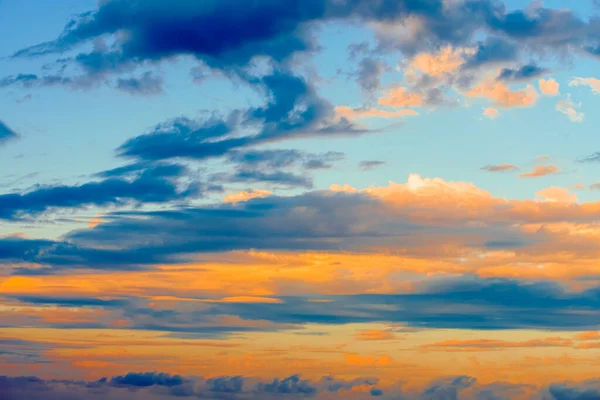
[(368, 361), (444, 62), (541, 170), (358, 113), (592, 335), (489, 344), (557, 194), (549, 87), (504, 97), (245, 196), (491, 113), (374, 334), (592, 83), (399, 97)]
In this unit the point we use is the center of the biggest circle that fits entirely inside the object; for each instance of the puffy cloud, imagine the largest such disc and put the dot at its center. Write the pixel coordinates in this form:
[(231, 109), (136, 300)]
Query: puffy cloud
[(500, 168), (549, 87), (541, 170), (558, 194), (569, 108), (444, 62)]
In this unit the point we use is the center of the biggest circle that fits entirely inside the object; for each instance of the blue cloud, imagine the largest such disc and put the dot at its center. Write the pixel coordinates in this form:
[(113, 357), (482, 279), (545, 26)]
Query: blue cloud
[(6, 133)]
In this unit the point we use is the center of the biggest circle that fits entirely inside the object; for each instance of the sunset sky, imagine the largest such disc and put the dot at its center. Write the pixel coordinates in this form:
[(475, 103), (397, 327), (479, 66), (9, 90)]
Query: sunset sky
[(285, 199)]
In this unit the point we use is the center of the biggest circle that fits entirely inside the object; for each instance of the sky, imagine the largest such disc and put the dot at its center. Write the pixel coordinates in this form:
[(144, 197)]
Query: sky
[(328, 199)]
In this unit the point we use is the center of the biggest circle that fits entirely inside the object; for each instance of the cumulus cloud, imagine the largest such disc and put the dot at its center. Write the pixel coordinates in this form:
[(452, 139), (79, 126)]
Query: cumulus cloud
[(559, 194), (549, 87)]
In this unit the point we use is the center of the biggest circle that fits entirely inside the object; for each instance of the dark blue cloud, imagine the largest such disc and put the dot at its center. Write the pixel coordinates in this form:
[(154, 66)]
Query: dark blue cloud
[(6, 133), (448, 389), (162, 386), (278, 177), (587, 390), (293, 110), (155, 184), (270, 159), (525, 72), (146, 379), (233, 384), (222, 40), (289, 385)]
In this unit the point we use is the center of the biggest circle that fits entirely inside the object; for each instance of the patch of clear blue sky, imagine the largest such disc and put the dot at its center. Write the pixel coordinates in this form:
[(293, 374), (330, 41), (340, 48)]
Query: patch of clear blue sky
[(67, 134)]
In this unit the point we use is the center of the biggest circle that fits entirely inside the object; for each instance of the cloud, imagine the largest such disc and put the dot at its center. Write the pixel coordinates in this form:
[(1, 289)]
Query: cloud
[(368, 165), (373, 335), (489, 344), (500, 168), (504, 97), (284, 159), (595, 157), (358, 113), (558, 194), (549, 87), (152, 185), (146, 85), (293, 111), (592, 335), (491, 113), (6, 133), (525, 72), (245, 196), (569, 108), (400, 97), (592, 83), (145, 379), (541, 170), (369, 75), (444, 62), (279, 177)]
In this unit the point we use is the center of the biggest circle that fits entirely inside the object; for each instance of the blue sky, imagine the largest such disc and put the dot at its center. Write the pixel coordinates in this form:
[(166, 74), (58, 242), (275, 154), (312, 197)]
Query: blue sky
[(322, 198)]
